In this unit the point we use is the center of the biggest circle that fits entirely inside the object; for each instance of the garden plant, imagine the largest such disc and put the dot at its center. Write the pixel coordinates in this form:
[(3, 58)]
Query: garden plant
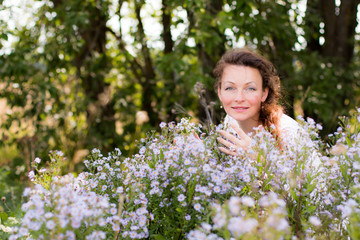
[(180, 186)]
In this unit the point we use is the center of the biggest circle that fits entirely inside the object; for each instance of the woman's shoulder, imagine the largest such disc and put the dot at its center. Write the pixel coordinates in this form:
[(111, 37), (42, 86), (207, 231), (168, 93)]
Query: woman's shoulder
[(287, 123), (289, 127)]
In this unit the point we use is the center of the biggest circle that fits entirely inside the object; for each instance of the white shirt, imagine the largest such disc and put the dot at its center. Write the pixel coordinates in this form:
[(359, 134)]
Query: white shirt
[(292, 134), (287, 125)]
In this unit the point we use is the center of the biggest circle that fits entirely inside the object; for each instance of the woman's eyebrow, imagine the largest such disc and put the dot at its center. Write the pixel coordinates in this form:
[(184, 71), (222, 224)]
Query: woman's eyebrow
[(228, 81), (250, 82)]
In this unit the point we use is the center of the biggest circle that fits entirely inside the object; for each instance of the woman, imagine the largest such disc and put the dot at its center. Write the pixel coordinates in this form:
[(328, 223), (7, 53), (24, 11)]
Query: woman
[(249, 90)]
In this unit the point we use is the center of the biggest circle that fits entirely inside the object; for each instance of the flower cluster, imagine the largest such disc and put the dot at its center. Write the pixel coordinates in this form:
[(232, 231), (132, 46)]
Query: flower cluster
[(244, 218), (65, 210), (170, 185), (299, 188)]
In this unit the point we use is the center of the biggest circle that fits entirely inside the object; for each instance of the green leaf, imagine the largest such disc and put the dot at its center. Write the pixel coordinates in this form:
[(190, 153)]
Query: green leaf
[(3, 216), (4, 36), (159, 237), (310, 209)]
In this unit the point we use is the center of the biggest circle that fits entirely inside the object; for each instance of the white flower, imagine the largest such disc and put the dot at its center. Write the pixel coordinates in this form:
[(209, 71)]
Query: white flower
[(120, 190), (31, 174), (248, 201), (181, 197), (26, 192), (95, 151), (113, 211), (246, 178), (142, 150), (356, 165), (217, 189), (196, 235), (206, 227), (315, 221), (219, 220), (50, 224), (95, 235), (118, 151), (234, 205), (238, 226), (37, 160), (48, 215), (197, 207), (282, 224), (206, 168)]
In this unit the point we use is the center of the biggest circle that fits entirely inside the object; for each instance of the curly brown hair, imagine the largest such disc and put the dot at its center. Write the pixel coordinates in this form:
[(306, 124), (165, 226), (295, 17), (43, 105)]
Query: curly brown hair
[(271, 110)]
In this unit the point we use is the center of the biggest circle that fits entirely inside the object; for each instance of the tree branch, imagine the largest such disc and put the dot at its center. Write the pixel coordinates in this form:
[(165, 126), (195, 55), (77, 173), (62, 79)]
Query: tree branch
[(134, 63), (166, 21)]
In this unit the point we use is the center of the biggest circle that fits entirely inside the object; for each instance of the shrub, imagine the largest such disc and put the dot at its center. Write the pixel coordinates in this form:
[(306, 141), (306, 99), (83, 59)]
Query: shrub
[(180, 186)]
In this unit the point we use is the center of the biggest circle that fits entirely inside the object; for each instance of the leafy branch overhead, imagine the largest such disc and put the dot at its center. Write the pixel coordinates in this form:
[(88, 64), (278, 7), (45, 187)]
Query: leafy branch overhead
[(81, 71)]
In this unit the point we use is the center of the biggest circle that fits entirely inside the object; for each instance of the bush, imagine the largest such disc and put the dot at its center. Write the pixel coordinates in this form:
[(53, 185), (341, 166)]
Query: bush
[(180, 186)]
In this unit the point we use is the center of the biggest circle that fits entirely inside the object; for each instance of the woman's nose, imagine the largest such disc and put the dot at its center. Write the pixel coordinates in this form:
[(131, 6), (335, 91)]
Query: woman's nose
[(239, 96)]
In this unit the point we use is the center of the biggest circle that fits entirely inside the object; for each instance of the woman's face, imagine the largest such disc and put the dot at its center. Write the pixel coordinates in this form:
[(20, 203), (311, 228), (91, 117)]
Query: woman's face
[(241, 94)]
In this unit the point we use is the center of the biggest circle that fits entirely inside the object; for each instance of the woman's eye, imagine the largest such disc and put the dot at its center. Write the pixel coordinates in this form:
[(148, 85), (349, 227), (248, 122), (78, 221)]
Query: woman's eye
[(229, 88), (251, 89)]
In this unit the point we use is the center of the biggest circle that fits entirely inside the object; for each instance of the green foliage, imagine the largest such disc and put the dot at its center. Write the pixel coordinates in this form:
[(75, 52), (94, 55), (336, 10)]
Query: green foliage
[(180, 186), (81, 74), (340, 96)]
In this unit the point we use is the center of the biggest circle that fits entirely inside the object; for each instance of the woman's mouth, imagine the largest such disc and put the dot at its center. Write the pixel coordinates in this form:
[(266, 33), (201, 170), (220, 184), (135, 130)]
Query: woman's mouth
[(240, 109)]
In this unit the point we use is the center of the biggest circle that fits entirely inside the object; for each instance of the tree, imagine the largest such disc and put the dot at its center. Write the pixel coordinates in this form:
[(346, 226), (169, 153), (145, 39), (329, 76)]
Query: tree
[(78, 79), (330, 35)]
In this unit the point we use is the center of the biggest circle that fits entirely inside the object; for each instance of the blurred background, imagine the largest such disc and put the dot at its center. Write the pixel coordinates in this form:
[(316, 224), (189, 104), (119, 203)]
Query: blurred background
[(82, 74)]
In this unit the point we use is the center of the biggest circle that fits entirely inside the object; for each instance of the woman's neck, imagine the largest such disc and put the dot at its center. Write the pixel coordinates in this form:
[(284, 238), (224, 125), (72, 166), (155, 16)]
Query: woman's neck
[(249, 125)]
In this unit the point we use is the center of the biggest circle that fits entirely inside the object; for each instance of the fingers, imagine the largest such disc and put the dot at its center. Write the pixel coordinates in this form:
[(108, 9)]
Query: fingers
[(231, 142), (224, 142), (231, 148), (230, 137), (238, 130), (227, 151), (196, 135)]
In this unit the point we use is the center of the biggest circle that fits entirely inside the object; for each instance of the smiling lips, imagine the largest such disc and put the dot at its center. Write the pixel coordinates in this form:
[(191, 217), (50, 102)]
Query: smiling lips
[(240, 109)]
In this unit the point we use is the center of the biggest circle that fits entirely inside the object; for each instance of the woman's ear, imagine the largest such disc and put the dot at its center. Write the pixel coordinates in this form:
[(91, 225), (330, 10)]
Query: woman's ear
[(219, 93), (265, 94)]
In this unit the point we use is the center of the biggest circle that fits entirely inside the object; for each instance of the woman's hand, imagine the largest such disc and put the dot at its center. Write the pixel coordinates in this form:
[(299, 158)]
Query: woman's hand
[(233, 143)]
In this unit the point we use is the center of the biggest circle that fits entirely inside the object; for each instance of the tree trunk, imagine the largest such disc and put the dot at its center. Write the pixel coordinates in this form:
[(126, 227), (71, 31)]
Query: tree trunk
[(338, 49), (100, 111), (169, 74), (148, 82), (339, 28)]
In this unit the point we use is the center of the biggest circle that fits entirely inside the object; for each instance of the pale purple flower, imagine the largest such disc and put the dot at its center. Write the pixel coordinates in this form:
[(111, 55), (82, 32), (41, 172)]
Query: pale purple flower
[(113, 211), (234, 205), (248, 201), (181, 197), (31, 174), (120, 190), (238, 226), (314, 221), (96, 235), (197, 207), (50, 224), (142, 150)]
